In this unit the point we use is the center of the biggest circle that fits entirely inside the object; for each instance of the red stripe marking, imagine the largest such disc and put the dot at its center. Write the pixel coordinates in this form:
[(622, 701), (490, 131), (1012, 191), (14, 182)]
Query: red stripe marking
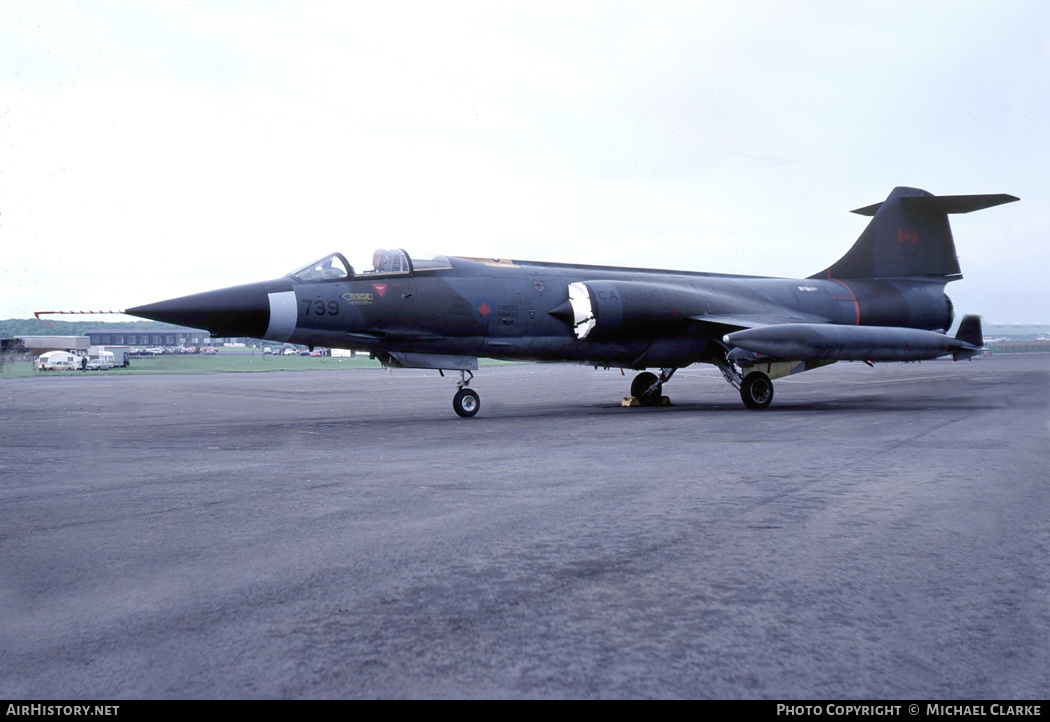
[(852, 298)]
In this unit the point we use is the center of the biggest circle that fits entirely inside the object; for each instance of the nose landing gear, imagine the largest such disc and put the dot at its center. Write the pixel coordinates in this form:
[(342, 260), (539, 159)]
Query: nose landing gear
[(466, 402)]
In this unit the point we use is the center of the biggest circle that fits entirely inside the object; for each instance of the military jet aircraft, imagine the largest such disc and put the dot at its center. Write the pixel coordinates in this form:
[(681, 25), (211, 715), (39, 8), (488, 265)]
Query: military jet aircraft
[(883, 301)]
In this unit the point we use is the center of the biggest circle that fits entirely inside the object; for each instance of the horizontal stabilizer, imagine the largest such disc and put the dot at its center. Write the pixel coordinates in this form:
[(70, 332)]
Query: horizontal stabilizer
[(947, 204)]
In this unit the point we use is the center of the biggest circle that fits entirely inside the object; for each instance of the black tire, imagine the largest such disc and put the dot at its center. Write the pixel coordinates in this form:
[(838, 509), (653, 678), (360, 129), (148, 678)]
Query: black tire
[(466, 402), (642, 388), (756, 390)]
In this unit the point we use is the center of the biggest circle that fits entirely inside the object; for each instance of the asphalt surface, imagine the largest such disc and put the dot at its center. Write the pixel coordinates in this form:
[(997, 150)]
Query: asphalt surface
[(875, 533)]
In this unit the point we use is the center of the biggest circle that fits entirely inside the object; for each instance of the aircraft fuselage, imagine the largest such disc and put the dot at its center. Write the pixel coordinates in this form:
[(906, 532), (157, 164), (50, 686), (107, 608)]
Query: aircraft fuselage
[(645, 318)]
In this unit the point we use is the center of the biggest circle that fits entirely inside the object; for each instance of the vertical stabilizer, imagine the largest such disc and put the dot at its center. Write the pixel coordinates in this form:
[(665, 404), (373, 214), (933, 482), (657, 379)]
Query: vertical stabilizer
[(909, 236)]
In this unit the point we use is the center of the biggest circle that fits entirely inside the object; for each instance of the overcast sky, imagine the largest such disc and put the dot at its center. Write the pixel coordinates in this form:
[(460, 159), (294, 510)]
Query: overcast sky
[(151, 150)]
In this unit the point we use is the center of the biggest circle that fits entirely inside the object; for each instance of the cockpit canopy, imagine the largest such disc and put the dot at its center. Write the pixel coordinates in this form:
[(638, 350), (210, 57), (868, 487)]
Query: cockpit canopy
[(330, 267), (385, 262)]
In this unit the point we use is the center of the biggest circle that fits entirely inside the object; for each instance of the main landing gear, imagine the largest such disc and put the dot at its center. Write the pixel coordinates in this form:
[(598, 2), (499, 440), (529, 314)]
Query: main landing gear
[(756, 390), (647, 387), (466, 402)]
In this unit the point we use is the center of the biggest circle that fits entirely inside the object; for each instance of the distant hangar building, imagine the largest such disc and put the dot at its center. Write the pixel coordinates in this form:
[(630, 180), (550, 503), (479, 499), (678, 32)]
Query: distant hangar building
[(36, 345), (140, 338)]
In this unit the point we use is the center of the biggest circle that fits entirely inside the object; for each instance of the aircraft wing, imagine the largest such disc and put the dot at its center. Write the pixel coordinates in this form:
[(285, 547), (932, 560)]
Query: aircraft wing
[(742, 321)]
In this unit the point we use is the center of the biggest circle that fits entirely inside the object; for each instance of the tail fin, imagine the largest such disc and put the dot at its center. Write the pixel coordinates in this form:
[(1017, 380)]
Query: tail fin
[(969, 333), (909, 235)]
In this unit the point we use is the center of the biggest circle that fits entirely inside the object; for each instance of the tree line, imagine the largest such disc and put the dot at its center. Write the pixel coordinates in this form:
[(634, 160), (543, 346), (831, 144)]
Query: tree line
[(12, 327)]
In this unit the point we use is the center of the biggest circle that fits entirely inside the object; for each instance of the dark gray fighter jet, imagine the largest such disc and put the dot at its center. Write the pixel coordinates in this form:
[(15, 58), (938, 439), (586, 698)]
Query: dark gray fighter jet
[(883, 301)]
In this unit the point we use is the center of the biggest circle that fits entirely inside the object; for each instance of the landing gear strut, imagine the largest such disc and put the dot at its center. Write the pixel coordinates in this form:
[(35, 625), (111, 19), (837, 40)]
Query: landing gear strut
[(756, 388), (466, 402)]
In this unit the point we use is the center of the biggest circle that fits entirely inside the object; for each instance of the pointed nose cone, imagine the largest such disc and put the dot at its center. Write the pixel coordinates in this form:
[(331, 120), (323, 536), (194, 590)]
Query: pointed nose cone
[(237, 311)]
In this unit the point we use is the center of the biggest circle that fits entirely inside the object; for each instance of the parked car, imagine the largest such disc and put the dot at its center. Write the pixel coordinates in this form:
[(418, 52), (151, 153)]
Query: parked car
[(58, 361), (104, 362)]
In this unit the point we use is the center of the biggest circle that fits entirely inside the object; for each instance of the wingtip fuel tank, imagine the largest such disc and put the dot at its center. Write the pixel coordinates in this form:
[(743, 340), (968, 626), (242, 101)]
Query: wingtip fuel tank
[(826, 342)]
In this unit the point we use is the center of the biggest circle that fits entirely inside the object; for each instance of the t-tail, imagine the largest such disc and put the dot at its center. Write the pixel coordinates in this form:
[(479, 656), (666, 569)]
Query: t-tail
[(909, 237)]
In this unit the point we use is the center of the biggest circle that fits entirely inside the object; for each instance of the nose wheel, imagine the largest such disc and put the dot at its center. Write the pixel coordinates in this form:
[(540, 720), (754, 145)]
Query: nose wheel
[(466, 402)]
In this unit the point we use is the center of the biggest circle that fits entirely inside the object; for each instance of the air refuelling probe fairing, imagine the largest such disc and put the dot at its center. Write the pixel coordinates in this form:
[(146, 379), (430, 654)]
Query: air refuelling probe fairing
[(883, 301)]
